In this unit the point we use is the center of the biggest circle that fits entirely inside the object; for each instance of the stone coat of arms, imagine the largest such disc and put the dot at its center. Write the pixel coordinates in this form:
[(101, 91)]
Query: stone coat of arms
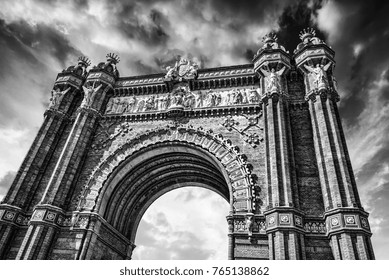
[(183, 69)]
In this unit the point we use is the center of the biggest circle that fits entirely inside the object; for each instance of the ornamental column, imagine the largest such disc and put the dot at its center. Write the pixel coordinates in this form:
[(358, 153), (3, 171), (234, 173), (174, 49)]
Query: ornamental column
[(346, 221), (43, 225), (283, 220), (26, 184)]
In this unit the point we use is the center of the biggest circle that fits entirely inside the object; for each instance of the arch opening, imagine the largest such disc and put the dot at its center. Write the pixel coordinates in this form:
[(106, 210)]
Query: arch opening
[(184, 223), (147, 175)]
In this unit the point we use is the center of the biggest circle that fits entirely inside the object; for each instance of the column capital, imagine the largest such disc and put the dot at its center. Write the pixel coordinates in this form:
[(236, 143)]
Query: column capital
[(315, 59), (271, 63)]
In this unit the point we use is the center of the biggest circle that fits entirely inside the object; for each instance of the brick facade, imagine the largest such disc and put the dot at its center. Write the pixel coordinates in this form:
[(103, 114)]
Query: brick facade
[(266, 136)]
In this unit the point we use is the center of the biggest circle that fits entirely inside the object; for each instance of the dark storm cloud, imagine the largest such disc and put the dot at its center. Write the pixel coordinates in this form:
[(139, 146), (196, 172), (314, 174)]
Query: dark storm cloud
[(6, 182), (22, 38), (296, 17), (249, 10), (367, 26), (129, 21), (10, 44)]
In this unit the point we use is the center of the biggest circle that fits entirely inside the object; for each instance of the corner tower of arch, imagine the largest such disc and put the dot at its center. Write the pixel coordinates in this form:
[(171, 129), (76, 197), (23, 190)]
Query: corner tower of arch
[(266, 136)]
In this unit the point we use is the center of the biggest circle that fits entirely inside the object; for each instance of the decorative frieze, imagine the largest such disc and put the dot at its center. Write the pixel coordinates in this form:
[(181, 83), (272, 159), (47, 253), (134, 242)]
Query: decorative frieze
[(184, 97)]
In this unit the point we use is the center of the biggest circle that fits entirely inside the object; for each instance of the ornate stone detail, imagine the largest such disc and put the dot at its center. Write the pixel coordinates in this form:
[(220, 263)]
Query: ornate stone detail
[(56, 97), (249, 224), (50, 216), (9, 215), (38, 215), (308, 37), (350, 220), (273, 82), (270, 42), (182, 70), (272, 220), (364, 223), (315, 227), (334, 221), (89, 96), (298, 221), (104, 137), (182, 97), (317, 76), (239, 171), (284, 219), (251, 138)]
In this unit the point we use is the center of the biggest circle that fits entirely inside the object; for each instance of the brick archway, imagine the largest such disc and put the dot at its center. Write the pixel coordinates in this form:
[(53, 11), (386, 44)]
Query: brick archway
[(214, 150)]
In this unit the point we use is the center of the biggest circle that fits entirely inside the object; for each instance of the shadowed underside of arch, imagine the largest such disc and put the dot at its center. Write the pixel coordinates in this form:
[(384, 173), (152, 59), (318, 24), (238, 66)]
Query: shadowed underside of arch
[(125, 181), (150, 174)]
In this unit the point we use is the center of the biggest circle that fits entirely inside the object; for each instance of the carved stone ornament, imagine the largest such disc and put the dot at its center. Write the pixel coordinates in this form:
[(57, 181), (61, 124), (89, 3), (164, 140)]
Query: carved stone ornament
[(273, 80), (251, 138), (317, 76), (239, 171), (182, 96), (308, 37), (183, 69), (89, 96), (56, 97)]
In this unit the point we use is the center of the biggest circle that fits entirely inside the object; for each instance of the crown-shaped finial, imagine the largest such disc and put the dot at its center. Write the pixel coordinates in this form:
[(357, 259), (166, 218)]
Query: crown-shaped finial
[(83, 60), (307, 33), (269, 38), (113, 58)]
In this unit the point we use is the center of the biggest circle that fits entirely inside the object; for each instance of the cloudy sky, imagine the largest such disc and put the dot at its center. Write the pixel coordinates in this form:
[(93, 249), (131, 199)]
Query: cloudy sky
[(40, 38)]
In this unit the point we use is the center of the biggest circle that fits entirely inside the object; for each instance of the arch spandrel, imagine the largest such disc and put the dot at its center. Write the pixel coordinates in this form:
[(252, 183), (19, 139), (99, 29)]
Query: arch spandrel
[(231, 162)]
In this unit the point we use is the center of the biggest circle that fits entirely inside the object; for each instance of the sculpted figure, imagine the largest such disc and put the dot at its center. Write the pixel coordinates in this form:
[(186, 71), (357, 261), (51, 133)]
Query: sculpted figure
[(56, 97), (164, 103), (109, 106), (253, 97), (238, 98), (150, 103), (115, 106), (89, 95), (141, 105), (273, 79), (218, 99), (244, 96), (319, 73), (170, 71), (193, 69), (198, 99), (229, 99), (249, 225), (123, 105), (211, 98), (189, 101), (131, 104)]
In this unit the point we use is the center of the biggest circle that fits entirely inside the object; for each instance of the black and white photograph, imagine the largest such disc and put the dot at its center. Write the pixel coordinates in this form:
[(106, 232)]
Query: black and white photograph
[(194, 130)]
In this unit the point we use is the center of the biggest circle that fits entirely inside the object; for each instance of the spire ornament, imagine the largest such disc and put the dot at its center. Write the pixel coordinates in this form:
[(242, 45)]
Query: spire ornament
[(83, 61), (270, 42), (307, 34), (308, 37), (113, 58)]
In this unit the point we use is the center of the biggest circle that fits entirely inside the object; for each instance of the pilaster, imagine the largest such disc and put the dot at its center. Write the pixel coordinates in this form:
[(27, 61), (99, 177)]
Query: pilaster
[(272, 62), (28, 179), (346, 221), (98, 83)]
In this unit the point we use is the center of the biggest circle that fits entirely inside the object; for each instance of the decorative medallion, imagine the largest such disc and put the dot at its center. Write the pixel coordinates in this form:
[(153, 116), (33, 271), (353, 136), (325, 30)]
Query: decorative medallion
[(334, 221), (350, 220), (284, 219)]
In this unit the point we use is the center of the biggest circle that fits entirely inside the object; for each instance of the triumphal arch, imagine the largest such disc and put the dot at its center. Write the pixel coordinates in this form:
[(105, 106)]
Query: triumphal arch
[(266, 136)]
